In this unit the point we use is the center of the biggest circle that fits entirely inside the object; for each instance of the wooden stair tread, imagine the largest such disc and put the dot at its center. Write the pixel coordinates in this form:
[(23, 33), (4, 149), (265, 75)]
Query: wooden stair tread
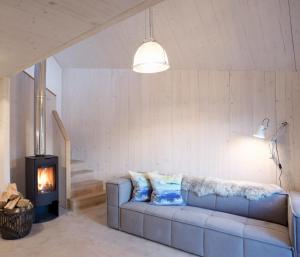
[(74, 161), (80, 172), (77, 185), (86, 187), (88, 200), (77, 198)]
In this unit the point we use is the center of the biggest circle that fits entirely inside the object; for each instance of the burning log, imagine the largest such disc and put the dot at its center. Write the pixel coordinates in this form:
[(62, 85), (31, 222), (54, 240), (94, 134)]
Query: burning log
[(12, 200)]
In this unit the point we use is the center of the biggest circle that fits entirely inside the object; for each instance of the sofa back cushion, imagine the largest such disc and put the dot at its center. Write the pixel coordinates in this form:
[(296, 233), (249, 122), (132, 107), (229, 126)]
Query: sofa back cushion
[(166, 189), (271, 209)]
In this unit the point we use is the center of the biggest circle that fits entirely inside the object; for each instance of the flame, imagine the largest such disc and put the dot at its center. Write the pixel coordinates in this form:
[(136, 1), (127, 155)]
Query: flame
[(46, 179)]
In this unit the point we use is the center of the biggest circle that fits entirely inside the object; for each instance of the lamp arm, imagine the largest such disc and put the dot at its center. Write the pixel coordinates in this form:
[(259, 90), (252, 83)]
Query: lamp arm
[(267, 121)]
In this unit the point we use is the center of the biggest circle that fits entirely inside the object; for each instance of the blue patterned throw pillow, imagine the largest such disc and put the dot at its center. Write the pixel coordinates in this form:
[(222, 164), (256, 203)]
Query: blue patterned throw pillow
[(166, 189), (141, 186)]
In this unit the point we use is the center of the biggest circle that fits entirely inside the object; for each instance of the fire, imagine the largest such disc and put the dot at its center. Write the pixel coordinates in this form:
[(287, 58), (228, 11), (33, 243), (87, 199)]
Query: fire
[(46, 181)]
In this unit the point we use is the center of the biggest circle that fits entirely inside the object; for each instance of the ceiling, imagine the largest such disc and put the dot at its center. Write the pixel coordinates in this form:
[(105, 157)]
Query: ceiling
[(32, 30), (202, 34)]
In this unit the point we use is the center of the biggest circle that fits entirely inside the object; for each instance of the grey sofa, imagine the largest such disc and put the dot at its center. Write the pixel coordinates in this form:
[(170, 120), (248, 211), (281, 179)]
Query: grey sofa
[(211, 226)]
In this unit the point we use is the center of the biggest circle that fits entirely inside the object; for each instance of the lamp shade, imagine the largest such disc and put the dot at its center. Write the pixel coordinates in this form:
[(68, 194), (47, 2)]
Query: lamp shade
[(261, 132), (150, 58)]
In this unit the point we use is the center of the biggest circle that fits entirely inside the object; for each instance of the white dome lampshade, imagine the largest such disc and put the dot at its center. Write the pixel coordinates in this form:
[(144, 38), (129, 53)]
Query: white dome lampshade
[(150, 58), (261, 132)]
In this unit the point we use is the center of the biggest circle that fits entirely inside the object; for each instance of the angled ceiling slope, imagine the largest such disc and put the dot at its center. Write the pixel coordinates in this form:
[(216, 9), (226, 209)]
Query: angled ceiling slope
[(32, 30), (202, 34)]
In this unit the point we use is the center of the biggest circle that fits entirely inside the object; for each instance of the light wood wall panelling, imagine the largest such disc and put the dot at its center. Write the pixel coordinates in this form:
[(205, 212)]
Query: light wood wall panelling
[(295, 21), (134, 120), (286, 105), (4, 132), (196, 122), (251, 99), (21, 126), (296, 128), (219, 105)]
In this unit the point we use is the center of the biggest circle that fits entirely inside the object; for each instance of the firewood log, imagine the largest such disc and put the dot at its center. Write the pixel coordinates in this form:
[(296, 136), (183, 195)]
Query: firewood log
[(11, 204), (11, 190), (30, 206), (13, 197), (23, 203)]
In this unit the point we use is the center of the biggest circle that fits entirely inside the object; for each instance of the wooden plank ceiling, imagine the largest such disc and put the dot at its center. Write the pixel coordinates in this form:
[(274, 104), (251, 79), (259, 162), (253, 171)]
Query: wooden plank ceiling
[(202, 34), (35, 29)]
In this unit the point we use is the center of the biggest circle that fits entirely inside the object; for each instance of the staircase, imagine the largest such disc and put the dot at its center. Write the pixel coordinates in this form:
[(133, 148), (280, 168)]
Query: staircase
[(82, 189), (86, 191)]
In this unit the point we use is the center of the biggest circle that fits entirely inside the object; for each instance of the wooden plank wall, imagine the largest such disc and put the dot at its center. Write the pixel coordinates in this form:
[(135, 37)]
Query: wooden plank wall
[(196, 122), (4, 131)]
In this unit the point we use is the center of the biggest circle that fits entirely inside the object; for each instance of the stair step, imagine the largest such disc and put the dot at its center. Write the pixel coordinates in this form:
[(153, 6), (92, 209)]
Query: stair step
[(79, 165), (81, 202), (74, 161), (80, 172), (86, 187)]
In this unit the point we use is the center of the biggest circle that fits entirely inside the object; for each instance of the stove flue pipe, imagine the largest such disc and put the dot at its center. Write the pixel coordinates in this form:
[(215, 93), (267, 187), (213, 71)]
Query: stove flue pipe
[(40, 108)]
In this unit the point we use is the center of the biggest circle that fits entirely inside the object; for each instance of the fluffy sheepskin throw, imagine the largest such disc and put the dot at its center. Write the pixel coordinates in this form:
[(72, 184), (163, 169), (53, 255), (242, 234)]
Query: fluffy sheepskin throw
[(250, 190)]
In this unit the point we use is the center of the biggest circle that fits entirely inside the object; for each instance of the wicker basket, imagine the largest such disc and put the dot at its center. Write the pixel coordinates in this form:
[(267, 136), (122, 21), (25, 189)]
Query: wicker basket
[(15, 225)]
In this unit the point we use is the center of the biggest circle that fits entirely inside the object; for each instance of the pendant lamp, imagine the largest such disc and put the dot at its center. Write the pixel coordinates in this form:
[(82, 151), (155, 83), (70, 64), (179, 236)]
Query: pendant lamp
[(150, 57)]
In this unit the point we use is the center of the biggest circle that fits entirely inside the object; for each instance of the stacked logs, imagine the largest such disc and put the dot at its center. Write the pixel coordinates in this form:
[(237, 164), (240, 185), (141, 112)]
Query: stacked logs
[(12, 201)]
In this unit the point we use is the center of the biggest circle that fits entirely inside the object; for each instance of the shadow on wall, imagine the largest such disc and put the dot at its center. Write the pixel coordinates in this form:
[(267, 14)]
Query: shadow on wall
[(17, 175)]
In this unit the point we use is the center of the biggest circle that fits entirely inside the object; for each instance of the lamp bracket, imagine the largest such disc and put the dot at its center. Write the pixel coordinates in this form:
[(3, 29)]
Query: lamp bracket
[(267, 121), (277, 133)]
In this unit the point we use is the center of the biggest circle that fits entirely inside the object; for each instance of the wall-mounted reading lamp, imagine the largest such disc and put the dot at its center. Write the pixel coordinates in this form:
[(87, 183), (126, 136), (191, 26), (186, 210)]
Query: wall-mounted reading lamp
[(261, 134)]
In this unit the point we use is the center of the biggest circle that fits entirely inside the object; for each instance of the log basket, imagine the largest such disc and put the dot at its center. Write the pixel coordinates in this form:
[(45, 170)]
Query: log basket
[(15, 225)]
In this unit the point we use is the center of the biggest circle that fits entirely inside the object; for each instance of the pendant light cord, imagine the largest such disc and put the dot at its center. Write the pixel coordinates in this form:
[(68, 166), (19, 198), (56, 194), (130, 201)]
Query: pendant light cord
[(151, 23), (145, 23)]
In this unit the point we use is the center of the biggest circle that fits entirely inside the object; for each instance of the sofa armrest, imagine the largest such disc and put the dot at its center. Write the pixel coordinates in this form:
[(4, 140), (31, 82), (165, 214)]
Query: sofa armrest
[(294, 220), (118, 191)]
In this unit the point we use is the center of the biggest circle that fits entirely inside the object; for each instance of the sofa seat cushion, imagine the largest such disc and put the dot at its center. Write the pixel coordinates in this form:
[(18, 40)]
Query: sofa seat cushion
[(242, 228), (135, 206), (267, 235), (226, 226), (166, 212), (235, 225), (192, 216)]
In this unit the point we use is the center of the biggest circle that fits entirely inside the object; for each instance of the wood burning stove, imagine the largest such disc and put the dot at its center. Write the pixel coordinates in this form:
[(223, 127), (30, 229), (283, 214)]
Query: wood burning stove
[(42, 186), (41, 169)]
